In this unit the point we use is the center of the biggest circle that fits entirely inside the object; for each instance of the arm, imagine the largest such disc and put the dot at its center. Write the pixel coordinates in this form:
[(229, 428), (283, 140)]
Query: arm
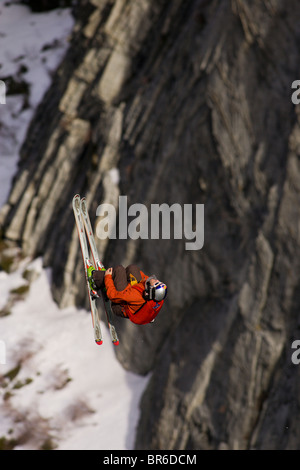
[(128, 295)]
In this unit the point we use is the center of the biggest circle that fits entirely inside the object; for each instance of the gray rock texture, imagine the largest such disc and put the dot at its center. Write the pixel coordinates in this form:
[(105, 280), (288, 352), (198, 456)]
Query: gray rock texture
[(190, 101)]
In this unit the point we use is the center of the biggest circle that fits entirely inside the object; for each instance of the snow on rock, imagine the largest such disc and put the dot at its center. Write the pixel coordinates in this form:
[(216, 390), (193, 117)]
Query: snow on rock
[(32, 46)]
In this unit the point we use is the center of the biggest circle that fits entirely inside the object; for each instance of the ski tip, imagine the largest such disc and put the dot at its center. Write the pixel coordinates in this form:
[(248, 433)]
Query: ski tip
[(99, 342), (116, 343)]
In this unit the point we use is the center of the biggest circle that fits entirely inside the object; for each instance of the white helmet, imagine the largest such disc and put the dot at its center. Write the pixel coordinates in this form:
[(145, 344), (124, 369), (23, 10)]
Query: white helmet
[(158, 291)]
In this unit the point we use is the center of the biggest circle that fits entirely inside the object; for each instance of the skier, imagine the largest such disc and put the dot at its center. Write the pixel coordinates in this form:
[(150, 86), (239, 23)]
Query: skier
[(132, 293)]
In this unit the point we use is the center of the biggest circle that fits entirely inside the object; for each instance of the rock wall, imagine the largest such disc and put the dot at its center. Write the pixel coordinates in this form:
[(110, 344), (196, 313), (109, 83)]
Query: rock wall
[(191, 102)]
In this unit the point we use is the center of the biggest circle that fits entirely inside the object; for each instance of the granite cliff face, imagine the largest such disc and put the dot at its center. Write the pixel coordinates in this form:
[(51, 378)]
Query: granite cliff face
[(191, 102)]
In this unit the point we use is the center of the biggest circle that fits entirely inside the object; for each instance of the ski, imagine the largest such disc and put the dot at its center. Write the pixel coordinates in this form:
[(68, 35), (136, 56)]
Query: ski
[(87, 263), (98, 265)]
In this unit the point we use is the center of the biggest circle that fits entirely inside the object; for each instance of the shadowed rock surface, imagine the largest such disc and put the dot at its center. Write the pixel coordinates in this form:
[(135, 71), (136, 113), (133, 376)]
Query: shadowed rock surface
[(191, 102)]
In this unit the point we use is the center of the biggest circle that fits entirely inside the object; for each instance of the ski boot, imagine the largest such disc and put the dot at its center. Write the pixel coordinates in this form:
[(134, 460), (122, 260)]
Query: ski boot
[(90, 269)]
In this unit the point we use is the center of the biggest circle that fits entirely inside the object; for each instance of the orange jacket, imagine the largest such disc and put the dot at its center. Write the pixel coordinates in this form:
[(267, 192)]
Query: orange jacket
[(146, 313), (130, 297)]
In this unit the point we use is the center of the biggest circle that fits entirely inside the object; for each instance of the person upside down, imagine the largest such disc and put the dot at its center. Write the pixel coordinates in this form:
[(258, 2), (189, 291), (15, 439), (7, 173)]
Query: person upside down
[(133, 294)]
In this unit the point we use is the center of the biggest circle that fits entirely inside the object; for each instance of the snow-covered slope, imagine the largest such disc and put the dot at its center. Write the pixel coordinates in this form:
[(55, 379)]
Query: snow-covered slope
[(68, 391), (58, 389)]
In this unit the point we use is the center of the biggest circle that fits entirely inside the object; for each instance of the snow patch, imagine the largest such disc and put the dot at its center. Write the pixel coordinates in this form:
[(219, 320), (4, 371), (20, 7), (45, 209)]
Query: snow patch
[(75, 390), (32, 46)]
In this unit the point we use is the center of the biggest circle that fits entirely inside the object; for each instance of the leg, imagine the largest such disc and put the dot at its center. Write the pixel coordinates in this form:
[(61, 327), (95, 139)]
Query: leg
[(133, 274), (120, 280), (98, 277), (117, 310), (119, 277)]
